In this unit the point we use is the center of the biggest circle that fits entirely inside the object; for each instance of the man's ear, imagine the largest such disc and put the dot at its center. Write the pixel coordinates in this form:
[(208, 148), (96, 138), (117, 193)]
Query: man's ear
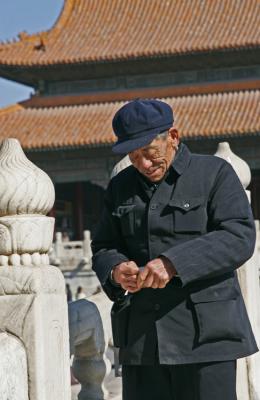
[(174, 134)]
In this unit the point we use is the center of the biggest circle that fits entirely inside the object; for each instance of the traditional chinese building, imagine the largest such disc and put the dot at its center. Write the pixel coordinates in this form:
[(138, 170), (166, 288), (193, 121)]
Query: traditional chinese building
[(201, 56)]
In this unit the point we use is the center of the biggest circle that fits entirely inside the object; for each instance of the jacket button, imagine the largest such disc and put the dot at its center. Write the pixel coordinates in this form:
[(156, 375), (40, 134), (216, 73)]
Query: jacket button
[(157, 307), (186, 205), (153, 207)]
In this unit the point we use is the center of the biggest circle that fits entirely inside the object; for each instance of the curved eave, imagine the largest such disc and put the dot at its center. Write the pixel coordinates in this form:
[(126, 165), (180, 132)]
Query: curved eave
[(100, 31), (209, 116), (123, 58)]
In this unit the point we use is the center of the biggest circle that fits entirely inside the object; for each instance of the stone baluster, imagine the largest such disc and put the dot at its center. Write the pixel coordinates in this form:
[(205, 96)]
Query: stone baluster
[(90, 332), (87, 252), (58, 248), (248, 383), (34, 342)]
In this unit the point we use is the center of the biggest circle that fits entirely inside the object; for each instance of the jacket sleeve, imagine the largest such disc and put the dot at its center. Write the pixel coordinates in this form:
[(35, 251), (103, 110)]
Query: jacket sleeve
[(107, 247), (231, 237)]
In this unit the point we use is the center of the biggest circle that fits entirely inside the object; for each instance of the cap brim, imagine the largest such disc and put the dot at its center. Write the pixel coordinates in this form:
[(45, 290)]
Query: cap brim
[(126, 146)]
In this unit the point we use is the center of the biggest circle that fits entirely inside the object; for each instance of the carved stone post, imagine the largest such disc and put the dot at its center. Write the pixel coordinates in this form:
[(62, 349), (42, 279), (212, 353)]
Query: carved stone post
[(34, 343), (248, 383)]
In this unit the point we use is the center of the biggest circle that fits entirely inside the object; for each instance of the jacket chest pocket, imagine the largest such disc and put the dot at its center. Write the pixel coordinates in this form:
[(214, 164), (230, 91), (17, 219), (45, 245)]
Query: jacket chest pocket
[(217, 314), (126, 216), (189, 215)]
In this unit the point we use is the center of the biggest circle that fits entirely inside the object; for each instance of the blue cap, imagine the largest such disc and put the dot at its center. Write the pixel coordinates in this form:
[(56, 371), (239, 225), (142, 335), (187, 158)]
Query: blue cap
[(138, 122)]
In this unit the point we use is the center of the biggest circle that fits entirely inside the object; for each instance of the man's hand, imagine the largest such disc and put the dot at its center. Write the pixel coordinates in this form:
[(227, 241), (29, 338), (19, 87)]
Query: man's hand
[(156, 274), (125, 274)]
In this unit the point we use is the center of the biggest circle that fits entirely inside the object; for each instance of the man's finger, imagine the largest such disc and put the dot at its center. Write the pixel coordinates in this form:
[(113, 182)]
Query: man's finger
[(130, 278), (155, 284), (130, 286), (148, 281), (140, 282), (162, 283), (129, 268), (143, 274)]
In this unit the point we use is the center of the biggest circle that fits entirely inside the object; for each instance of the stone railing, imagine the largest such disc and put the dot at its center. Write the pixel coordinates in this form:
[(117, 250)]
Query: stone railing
[(71, 253), (34, 337), (73, 258)]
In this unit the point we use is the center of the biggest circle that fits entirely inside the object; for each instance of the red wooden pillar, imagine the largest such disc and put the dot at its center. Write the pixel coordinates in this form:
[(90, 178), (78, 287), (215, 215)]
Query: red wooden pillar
[(79, 210)]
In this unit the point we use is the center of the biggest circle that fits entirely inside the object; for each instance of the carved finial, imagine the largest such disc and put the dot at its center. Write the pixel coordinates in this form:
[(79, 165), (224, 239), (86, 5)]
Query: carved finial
[(26, 195), (24, 188), (23, 35), (40, 43), (240, 166)]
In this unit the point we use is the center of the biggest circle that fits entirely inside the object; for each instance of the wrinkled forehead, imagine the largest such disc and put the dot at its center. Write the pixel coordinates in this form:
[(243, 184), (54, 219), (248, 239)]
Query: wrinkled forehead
[(154, 145)]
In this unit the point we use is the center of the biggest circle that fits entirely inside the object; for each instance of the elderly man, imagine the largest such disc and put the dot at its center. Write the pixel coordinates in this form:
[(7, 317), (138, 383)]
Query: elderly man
[(175, 228)]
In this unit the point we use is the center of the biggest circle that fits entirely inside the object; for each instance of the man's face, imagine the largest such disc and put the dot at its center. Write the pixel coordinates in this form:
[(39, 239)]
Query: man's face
[(154, 160)]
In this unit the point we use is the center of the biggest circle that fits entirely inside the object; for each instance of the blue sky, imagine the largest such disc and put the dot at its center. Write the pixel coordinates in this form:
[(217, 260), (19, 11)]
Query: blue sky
[(23, 15)]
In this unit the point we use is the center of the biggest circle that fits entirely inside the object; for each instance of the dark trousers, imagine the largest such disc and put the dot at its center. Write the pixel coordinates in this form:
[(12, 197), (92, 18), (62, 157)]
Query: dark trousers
[(204, 381)]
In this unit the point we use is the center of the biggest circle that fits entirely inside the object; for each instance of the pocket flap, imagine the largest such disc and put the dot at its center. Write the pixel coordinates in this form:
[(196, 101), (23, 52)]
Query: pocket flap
[(214, 294), (122, 210), (186, 204)]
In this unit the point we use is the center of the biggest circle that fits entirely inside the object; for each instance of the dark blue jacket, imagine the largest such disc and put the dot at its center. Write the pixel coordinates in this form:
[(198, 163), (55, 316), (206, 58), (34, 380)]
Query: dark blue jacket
[(200, 219)]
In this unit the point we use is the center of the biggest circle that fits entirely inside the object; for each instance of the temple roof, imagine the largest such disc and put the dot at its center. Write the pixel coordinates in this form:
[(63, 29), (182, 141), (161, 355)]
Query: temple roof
[(100, 30), (201, 116)]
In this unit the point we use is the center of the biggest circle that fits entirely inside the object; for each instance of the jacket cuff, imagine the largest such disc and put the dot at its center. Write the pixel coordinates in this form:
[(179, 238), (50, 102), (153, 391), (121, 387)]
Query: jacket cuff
[(184, 271), (106, 264), (111, 280)]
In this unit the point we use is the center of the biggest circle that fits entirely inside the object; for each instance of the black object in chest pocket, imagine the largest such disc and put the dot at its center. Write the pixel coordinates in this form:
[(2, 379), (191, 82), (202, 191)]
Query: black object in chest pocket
[(126, 216), (189, 215)]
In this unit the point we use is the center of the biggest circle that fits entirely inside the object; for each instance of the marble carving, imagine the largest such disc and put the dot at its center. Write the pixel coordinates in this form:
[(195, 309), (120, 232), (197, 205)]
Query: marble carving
[(13, 365), (33, 307), (26, 195)]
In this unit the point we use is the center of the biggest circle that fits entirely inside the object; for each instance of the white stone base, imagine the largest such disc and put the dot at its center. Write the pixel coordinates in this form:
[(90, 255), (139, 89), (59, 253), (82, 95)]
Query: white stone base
[(33, 308)]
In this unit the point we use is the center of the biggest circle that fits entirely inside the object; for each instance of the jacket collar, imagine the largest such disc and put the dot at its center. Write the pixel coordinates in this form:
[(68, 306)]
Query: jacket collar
[(182, 159)]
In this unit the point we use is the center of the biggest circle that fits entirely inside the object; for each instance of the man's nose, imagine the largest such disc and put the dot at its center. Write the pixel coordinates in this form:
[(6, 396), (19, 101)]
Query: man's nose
[(146, 163)]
